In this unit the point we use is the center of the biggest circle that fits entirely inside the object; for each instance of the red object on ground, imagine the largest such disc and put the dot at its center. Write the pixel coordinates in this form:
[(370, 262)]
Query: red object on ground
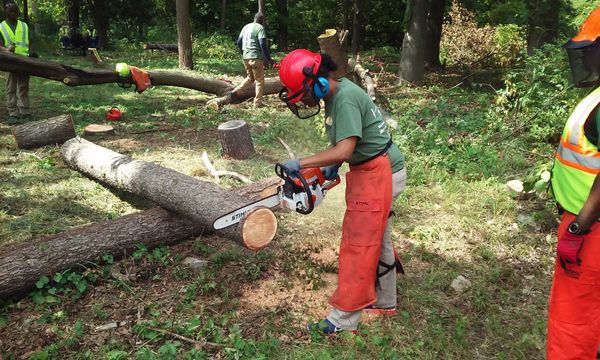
[(574, 309), (113, 114)]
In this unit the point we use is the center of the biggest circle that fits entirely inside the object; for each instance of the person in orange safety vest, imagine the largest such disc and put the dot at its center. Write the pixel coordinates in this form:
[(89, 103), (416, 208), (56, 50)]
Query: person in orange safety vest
[(574, 306), (358, 135)]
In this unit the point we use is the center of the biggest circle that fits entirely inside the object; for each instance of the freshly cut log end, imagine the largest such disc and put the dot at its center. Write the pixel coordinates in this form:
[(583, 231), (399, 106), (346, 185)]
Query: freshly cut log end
[(258, 227), (55, 130), (235, 139), (98, 129)]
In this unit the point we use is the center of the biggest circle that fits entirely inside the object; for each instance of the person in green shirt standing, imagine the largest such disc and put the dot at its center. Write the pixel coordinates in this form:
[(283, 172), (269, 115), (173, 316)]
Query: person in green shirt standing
[(359, 136), (16, 38), (252, 41)]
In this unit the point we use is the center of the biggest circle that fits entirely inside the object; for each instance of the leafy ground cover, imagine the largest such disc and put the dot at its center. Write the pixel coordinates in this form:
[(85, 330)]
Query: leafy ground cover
[(464, 135)]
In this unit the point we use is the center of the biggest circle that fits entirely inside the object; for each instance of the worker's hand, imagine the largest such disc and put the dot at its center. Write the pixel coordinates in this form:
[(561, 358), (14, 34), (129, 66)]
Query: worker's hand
[(12, 48), (293, 166), (568, 248), (331, 172)]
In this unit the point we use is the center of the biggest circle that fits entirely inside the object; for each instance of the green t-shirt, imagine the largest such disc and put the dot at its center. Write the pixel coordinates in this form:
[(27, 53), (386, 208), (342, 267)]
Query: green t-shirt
[(250, 35), (351, 112)]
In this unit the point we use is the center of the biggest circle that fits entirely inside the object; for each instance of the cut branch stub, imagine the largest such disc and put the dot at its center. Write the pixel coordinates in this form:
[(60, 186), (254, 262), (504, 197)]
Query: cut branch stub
[(235, 139), (54, 130)]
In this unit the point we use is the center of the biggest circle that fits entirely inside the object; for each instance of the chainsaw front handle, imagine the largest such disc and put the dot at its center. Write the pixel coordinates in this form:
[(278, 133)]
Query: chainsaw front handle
[(286, 175)]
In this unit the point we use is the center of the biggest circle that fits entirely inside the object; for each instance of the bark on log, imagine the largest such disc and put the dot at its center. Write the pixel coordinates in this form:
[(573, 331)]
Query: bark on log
[(71, 76), (235, 139), (329, 42), (54, 130), (198, 200), (163, 47), (363, 74), (22, 265)]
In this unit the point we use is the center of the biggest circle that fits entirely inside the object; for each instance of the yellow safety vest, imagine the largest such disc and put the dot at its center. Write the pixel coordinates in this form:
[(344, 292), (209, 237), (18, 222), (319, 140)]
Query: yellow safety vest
[(20, 38), (577, 160)]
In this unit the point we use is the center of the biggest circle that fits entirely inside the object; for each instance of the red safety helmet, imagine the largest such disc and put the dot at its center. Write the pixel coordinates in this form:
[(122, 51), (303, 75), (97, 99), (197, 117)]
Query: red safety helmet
[(297, 73), (584, 52)]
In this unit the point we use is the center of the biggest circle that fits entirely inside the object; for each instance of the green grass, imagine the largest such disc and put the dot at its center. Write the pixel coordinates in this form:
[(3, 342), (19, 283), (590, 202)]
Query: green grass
[(455, 218)]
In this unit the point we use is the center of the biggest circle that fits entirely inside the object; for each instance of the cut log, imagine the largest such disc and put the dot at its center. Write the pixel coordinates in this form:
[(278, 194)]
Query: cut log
[(198, 200), (163, 47), (52, 131), (98, 129), (71, 76), (330, 44), (363, 74), (22, 265), (235, 139)]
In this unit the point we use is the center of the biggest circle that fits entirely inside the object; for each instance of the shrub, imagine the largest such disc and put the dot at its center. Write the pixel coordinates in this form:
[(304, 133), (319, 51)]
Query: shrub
[(509, 41), (216, 46)]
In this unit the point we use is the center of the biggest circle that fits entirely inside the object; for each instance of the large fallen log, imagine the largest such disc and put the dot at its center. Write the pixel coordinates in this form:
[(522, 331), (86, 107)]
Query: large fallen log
[(54, 130), (22, 265), (163, 47), (71, 76), (198, 200)]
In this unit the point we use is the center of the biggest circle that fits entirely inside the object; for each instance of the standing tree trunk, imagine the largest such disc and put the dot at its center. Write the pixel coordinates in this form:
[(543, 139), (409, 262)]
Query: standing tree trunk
[(282, 12), (435, 21), (100, 17), (542, 22), (331, 44), (413, 47), (184, 34), (34, 13), (73, 13), (26, 12), (261, 6), (223, 13), (357, 25)]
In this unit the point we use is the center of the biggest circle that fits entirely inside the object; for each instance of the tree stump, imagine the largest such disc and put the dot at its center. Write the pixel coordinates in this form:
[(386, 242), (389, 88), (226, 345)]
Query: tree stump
[(98, 129), (235, 139), (54, 130), (331, 44)]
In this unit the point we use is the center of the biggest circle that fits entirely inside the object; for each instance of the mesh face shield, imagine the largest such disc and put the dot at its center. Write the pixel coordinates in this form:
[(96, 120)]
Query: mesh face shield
[(303, 96), (585, 64)]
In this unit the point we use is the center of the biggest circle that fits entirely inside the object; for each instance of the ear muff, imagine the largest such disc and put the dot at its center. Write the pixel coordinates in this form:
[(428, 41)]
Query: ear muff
[(321, 87)]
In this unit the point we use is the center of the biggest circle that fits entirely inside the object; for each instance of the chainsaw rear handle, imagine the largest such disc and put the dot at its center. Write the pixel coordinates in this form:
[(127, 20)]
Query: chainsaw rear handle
[(286, 175)]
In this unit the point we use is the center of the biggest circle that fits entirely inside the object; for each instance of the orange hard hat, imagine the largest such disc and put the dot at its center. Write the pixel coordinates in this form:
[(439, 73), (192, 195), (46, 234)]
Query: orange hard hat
[(588, 33)]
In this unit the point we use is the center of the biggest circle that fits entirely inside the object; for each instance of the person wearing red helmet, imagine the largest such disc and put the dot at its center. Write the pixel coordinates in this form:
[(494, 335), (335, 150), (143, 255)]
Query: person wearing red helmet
[(574, 306), (358, 135)]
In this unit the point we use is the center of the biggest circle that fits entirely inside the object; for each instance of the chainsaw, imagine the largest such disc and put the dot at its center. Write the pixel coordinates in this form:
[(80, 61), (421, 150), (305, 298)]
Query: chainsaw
[(301, 192)]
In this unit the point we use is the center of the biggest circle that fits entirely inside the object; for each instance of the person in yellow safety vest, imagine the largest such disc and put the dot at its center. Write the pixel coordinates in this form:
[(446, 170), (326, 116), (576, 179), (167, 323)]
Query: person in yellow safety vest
[(16, 38), (574, 306)]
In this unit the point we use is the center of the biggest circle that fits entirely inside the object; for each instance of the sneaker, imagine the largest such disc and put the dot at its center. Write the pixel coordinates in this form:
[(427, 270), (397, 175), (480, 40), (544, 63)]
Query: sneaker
[(326, 327), (388, 311)]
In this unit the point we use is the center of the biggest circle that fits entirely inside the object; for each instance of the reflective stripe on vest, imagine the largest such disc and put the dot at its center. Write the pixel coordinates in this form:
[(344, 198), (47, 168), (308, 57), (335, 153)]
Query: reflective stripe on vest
[(577, 161), (20, 39)]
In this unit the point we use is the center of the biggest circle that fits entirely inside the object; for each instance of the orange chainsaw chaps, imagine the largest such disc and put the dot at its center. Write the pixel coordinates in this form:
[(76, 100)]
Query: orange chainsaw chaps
[(368, 202), (574, 307)]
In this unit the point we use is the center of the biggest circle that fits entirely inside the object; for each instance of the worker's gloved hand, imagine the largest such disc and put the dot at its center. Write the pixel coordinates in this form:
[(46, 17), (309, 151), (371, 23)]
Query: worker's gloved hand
[(292, 165), (568, 248), (331, 172)]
